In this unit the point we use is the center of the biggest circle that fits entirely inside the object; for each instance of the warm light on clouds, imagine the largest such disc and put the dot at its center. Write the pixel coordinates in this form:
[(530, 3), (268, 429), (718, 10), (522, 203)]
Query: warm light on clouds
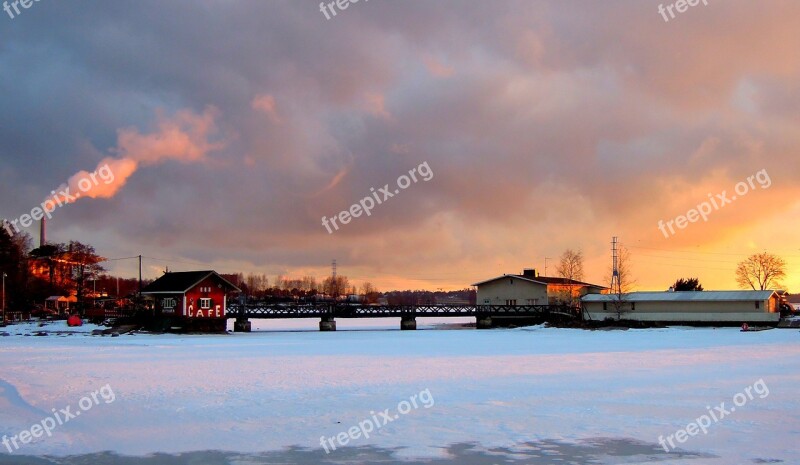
[(549, 125), (266, 104), (184, 138)]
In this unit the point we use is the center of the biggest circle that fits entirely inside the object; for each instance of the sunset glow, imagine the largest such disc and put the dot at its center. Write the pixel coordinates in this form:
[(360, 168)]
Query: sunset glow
[(549, 126)]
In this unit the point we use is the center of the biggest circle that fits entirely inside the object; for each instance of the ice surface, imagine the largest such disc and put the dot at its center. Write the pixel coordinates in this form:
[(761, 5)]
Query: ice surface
[(268, 390)]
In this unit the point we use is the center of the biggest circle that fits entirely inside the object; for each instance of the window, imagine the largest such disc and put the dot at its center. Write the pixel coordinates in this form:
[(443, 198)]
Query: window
[(758, 304), (633, 305), (605, 305), (486, 301), (205, 303), (511, 302)]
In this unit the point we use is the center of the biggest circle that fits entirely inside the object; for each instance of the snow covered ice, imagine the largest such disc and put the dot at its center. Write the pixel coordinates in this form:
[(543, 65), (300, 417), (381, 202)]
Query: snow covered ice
[(528, 395)]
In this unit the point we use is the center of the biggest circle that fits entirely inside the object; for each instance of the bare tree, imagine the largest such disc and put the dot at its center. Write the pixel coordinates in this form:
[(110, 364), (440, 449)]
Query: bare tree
[(85, 263), (309, 283), (761, 271), (570, 266), (337, 287), (369, 292)]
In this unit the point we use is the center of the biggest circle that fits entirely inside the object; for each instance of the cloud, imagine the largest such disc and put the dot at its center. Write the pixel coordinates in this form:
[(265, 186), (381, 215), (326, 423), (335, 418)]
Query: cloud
[(184, 137), (549, 125), (266, 104)]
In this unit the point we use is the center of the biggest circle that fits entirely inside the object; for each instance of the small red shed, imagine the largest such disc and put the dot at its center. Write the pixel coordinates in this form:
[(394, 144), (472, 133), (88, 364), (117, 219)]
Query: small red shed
[(192, 295)]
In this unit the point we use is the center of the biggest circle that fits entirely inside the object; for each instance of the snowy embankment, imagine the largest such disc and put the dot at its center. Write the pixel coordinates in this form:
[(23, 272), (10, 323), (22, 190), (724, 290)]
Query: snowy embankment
[(269, 390)]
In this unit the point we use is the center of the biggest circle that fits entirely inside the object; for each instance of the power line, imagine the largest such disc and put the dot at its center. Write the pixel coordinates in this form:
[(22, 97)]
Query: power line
[(172, 260), (121, 258)]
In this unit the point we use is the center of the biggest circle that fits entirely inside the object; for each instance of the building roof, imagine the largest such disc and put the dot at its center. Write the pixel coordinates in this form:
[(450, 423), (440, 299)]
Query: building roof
[(183, 281), (683, 296), (542, 280), (61, 298), (512, 276), (564, 281)]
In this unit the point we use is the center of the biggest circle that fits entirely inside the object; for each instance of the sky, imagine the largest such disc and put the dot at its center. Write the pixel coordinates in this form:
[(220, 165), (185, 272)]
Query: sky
[(219, 134)]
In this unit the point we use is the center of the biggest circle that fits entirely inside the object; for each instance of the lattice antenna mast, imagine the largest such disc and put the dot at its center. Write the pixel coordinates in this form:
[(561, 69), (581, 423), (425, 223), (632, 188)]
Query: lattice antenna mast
[(615, 284)]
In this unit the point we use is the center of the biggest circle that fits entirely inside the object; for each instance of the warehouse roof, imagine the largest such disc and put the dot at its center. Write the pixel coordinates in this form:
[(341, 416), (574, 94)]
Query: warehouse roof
[(683, 296)]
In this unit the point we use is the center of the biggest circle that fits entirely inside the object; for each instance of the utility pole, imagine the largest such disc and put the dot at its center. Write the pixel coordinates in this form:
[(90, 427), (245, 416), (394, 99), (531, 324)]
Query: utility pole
[(3, 323), (334, 282), (140, 275), (545, 265)]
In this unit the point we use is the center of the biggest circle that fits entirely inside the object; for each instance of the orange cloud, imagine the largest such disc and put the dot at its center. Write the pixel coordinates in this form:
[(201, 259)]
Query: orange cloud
[(185, 138), (436, 67), (266, 104)]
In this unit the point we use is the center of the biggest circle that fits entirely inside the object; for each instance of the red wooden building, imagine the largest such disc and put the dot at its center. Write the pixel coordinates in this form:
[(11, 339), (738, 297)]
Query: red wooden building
[(195, 300)]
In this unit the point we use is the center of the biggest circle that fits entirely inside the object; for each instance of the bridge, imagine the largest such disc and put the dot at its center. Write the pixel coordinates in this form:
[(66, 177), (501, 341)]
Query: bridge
[(408, 314)]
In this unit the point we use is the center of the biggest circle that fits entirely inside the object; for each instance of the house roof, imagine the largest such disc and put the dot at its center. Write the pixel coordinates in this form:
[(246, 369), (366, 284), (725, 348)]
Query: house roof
[(565, 281), (683, 296), (511, 276), (183, 281), (542, 280), (61, 298)]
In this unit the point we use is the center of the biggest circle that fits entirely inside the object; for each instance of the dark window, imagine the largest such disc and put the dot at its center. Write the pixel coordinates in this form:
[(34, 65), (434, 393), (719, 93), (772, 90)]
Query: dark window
[(758, 304), (605, 306)]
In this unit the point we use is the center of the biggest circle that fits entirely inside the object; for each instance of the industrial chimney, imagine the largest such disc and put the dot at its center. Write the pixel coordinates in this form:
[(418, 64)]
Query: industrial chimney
[(42, 233)]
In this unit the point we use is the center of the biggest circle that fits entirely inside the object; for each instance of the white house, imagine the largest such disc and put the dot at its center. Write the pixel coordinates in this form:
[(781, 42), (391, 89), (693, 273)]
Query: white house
[(529, 288)]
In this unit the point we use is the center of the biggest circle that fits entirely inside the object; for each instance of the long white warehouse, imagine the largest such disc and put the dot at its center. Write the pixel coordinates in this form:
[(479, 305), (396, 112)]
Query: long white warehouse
[(685, 307)]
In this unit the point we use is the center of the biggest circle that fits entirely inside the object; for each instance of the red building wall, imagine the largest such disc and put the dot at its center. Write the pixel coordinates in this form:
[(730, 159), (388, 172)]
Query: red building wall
[(208, 288)]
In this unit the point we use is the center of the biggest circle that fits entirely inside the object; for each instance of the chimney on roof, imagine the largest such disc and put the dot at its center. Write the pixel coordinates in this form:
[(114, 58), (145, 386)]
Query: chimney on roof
[(529, 273)]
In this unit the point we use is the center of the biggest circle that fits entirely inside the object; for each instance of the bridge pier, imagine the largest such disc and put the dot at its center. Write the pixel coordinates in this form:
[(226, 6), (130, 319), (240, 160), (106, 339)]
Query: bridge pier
[(483, 322), (408, 323), (241, 325), (327, 323)]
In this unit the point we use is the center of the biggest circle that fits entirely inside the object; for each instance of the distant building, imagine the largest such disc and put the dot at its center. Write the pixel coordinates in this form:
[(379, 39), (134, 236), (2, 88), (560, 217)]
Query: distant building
[(530, 289), (686, 307), (451, 300), (59, 303), (794, 301), (191, 295)]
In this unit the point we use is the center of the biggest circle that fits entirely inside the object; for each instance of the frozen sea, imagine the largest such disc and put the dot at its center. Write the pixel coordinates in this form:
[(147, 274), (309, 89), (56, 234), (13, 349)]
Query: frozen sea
[(504, 396)]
